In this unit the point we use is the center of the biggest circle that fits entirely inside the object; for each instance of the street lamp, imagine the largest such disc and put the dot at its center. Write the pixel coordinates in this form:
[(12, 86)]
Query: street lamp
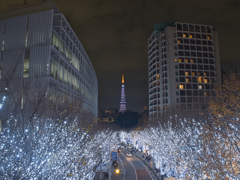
[(109, 164), (117, 171)]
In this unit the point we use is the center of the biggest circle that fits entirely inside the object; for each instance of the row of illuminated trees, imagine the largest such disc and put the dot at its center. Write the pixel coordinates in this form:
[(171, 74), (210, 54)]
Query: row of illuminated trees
[(197, 148), (47, 149)]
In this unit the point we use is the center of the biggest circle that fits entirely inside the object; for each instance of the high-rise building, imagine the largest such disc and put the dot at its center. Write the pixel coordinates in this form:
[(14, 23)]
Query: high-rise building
[(183, 67), (38, 46), (123, 101)]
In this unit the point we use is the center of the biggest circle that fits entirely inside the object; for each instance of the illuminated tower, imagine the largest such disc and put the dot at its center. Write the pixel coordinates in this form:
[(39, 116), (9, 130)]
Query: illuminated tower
[(123, 102)]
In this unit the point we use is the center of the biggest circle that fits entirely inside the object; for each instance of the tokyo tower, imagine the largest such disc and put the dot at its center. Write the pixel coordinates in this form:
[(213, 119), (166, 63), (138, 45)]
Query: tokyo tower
[(123, 101)]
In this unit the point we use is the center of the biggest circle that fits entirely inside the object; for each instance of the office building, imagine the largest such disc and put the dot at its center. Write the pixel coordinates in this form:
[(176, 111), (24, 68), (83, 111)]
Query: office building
[(38, 46), (183, 67)]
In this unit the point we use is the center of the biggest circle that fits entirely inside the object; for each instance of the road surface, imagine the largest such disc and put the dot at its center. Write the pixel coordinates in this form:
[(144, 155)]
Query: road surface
[(134, 169)]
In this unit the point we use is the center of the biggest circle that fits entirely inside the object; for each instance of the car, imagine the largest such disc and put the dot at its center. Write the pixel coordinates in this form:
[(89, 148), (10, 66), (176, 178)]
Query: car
[(128, 154), (122, 147)]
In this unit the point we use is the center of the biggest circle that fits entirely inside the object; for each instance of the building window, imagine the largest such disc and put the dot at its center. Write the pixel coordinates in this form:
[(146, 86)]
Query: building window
[(205, 80), (189, 86), (60, 73), (190, 36), (198, 36), (26, 68), (26, 39), (200, 87), (176, 60), (179, 34), (200, 80), (186, 73), (181, 86), (180, 60), (26, 64), (187, 80), (54, 69), (182, 79), (183, 99)]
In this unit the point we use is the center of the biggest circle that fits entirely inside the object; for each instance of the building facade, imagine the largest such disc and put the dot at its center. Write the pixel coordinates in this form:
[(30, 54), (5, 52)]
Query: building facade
[(39, 46), (183, 67)]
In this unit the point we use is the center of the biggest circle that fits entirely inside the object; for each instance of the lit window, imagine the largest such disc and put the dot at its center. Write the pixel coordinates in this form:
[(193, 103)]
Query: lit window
[(208, 37), (186, 74), (200, 87), (178, 41), (193, 73), (190, 36), (184, 35), (205, 93), (192, 61), (180, 60), (175, 60), (200, 80), (205, 80), (3, 45), (26, 68), (176, 86), (205, 74), (26, 39), (158, 76), (181, 86), (186, 60), (187, 80)]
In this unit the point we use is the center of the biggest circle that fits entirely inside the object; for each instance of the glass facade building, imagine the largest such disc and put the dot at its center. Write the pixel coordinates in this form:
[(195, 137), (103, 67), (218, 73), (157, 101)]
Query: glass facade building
[(41, 44)]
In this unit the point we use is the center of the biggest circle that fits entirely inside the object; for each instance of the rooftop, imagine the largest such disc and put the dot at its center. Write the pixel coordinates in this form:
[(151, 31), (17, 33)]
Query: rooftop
[(162, 25), (29, 10)]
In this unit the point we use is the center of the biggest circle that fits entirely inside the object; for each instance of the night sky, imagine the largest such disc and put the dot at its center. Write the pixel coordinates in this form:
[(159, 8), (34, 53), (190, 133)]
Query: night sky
[(114, 34)]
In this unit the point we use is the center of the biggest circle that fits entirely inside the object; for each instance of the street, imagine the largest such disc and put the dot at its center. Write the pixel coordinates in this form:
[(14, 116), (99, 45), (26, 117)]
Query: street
[(134, 168)]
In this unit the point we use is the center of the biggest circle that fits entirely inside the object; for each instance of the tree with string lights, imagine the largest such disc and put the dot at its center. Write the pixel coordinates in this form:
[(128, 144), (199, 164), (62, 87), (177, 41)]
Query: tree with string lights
[(50, 150)]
